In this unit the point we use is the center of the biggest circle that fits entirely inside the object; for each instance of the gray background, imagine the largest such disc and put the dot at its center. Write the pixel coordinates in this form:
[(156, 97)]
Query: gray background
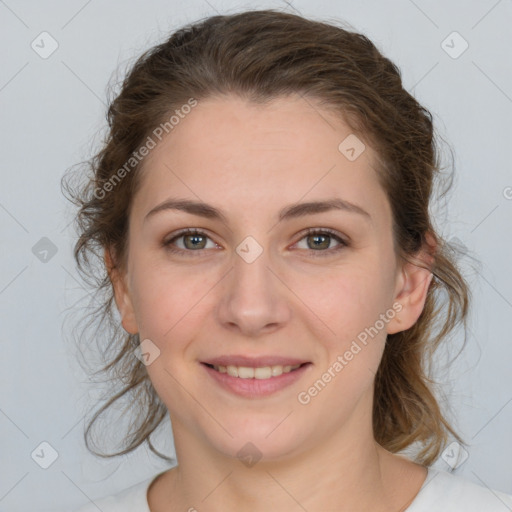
[(52, 110)]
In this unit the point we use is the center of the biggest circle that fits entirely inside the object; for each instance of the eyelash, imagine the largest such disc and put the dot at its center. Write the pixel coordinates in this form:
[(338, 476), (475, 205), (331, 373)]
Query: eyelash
[(311, 231)]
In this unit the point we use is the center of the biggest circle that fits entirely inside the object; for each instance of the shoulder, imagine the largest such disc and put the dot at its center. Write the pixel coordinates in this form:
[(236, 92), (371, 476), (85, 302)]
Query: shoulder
[(445, 492), (131, 499)]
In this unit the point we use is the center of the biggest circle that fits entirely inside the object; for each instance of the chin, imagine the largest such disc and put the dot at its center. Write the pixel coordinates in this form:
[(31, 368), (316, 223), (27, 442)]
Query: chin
[(264, 440)]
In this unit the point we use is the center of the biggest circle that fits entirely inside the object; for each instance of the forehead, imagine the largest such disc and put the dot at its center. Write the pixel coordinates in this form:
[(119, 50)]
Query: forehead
[(231, 128), (230, 151)]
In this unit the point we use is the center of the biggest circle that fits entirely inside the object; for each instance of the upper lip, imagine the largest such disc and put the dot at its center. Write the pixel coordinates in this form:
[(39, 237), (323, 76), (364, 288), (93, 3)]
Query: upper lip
[(254, 362)]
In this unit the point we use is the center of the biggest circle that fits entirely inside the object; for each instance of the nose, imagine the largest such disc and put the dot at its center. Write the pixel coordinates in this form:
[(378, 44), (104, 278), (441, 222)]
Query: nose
[(253, 298)]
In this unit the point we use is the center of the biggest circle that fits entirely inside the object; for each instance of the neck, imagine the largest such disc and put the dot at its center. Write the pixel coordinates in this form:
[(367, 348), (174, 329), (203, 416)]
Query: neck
[(345, 474)]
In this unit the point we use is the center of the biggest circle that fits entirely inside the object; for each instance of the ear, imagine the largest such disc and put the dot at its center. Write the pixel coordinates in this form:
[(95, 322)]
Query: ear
[(412, 286), (121, 295)]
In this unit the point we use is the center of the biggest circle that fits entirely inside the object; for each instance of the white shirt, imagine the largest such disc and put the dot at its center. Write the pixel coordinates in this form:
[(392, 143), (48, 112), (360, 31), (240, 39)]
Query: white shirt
[(441, 492)]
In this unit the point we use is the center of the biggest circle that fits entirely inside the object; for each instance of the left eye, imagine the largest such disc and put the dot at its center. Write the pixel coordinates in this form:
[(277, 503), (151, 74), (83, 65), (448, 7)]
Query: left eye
[(195, 241), (322, 240)]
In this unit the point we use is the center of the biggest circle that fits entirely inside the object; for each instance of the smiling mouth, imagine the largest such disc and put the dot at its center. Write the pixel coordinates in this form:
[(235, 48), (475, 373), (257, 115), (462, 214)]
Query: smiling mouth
[(263, 372)]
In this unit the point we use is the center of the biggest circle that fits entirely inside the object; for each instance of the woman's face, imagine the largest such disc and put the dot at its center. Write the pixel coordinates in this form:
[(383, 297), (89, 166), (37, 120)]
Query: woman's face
[(253, 289)]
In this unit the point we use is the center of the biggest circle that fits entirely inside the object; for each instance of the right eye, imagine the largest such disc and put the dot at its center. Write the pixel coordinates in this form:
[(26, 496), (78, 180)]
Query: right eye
[(193, 241)]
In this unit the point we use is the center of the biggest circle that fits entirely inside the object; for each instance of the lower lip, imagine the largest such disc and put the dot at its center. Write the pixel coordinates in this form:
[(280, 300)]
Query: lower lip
[(256, 388)]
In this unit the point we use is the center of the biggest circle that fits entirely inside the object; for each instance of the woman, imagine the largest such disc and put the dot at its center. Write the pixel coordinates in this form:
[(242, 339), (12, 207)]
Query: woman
[(262, 208)]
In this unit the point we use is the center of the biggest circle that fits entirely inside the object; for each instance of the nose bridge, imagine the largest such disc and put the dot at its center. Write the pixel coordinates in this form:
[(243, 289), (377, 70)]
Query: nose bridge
[(251, 267), (253, 297)]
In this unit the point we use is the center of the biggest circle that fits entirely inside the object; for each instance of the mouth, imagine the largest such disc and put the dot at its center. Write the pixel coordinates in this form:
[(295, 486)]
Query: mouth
[(255, 380), (261, 372)]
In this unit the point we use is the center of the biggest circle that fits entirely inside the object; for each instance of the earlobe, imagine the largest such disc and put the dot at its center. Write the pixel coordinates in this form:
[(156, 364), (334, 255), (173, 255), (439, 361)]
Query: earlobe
[(121, 295)]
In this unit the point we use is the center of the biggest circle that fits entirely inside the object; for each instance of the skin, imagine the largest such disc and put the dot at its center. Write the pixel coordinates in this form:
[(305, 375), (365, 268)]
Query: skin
[(251, 161)]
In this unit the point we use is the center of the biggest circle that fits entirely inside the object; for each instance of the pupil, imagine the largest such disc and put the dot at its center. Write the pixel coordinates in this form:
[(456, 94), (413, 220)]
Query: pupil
[(319, 237), (194, 239)]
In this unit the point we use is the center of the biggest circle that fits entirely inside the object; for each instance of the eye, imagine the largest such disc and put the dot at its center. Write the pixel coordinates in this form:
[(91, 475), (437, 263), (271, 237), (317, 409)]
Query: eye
[(319, 240), (193, 241)]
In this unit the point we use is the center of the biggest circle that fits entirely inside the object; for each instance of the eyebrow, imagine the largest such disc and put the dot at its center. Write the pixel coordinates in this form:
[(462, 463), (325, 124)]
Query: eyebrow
[(289, 212)]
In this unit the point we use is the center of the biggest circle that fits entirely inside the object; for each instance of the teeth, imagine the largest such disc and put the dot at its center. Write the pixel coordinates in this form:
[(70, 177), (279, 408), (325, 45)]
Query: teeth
[(265, 372), (232, 371), (243, 372), (276, 371)]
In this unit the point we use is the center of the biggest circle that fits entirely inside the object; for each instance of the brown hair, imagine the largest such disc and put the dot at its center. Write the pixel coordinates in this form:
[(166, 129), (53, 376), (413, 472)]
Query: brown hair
[(262, 55)]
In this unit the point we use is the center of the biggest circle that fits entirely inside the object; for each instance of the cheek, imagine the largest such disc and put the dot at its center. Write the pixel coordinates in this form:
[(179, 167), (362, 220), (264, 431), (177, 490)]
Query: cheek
[(168, 302), (351, 334), (347, 300), (350, 306)]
